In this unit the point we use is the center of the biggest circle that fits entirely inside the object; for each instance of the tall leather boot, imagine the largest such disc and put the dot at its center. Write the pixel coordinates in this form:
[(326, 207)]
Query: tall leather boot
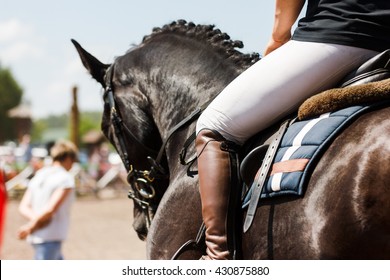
[(215, 176)]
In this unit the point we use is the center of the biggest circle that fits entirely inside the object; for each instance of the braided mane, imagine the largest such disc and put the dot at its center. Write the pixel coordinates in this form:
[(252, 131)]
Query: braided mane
[(220, 41)]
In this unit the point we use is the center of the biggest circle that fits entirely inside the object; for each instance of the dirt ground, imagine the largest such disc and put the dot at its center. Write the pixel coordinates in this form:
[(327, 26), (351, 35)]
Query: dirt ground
[(100, 230)]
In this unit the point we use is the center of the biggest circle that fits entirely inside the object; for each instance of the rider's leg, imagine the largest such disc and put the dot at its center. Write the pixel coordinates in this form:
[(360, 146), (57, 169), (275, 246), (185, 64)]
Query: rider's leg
[(276, 85), (266, 92), (217, 176)]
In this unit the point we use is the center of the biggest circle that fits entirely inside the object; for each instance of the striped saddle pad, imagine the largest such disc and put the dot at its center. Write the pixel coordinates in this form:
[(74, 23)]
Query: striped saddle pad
[(301, 148)]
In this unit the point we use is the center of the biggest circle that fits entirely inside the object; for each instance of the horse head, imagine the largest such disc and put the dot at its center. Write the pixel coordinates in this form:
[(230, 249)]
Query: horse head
[(180, 62), (132, 109)]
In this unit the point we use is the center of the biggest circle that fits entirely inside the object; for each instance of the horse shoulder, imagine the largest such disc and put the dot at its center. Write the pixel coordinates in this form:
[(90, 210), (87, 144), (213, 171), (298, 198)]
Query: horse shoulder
[(177, 220)]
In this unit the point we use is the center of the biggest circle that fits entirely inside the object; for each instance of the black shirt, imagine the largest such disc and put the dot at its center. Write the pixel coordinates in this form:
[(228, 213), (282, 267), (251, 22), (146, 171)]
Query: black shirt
[(356, 23)]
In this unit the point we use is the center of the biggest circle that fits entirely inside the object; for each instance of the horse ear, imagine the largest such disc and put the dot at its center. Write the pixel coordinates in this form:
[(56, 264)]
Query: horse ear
[(96, 68)]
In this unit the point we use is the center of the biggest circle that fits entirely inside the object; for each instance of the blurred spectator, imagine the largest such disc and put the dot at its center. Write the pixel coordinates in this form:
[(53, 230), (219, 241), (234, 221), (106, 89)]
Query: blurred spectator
[(98, 163), (47, 202), (93, 163), (25, 147)]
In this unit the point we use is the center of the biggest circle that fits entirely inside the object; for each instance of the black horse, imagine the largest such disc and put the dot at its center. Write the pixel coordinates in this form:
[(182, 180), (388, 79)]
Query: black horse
[(172, 73)]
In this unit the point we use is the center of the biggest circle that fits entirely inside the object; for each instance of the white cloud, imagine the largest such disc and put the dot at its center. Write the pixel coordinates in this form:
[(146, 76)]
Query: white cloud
[(18, 41), (13, 29), (19, 50)]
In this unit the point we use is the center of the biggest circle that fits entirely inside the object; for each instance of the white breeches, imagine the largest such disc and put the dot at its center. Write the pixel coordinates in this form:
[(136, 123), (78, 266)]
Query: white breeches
[(276, 85)]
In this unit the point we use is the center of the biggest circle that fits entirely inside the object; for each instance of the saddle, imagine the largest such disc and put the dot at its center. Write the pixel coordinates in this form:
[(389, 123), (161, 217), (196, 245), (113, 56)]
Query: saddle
[(260, 151)]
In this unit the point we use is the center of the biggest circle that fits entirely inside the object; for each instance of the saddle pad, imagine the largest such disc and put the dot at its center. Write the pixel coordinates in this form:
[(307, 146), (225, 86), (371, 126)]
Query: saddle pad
[(301, 148)]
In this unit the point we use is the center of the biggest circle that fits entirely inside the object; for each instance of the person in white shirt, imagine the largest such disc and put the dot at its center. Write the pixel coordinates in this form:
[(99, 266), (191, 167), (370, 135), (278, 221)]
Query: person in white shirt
[(47, 203)]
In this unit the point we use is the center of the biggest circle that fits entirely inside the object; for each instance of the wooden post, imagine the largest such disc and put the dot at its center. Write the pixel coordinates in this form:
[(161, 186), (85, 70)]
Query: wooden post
[(74, 119)]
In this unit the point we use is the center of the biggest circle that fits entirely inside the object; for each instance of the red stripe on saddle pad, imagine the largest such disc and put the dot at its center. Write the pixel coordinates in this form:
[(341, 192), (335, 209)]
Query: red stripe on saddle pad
[(291, 165)]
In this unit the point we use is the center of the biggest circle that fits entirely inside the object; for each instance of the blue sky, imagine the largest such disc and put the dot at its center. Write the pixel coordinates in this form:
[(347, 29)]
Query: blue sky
[(35, 39)]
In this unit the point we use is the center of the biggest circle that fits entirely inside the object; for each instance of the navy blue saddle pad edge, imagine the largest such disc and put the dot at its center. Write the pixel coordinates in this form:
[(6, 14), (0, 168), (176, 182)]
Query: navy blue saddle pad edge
[(302, 145)]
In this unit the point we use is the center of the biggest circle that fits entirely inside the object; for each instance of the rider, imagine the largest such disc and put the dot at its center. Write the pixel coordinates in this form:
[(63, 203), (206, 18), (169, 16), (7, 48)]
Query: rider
[(333, 38)]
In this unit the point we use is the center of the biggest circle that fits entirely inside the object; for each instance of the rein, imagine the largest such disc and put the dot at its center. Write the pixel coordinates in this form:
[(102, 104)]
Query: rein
[(142, 191)]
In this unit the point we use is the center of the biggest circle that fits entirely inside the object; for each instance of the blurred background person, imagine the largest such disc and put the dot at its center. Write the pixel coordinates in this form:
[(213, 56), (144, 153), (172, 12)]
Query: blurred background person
[(47, 203)]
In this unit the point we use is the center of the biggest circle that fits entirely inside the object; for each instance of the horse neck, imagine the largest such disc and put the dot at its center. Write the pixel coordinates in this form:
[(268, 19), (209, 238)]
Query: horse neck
[(179, 84), (186, 80)]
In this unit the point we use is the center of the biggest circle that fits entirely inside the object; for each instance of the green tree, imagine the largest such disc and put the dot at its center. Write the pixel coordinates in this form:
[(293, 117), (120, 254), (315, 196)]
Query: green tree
[(88, 121), (10, 96), (38, 129)]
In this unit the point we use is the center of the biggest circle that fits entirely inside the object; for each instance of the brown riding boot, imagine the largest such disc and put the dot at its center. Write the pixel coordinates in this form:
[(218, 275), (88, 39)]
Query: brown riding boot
[(214, 167)]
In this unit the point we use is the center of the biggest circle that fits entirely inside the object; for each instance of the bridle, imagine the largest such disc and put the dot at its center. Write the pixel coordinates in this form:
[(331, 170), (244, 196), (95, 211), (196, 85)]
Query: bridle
[(141, 182)]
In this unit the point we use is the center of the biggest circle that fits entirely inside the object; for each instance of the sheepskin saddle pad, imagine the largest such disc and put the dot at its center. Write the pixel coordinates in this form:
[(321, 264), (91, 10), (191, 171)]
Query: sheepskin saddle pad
[(339, 98)]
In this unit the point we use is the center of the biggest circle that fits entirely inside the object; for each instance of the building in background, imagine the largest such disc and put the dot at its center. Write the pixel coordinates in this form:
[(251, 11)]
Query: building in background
[(22, 119)]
